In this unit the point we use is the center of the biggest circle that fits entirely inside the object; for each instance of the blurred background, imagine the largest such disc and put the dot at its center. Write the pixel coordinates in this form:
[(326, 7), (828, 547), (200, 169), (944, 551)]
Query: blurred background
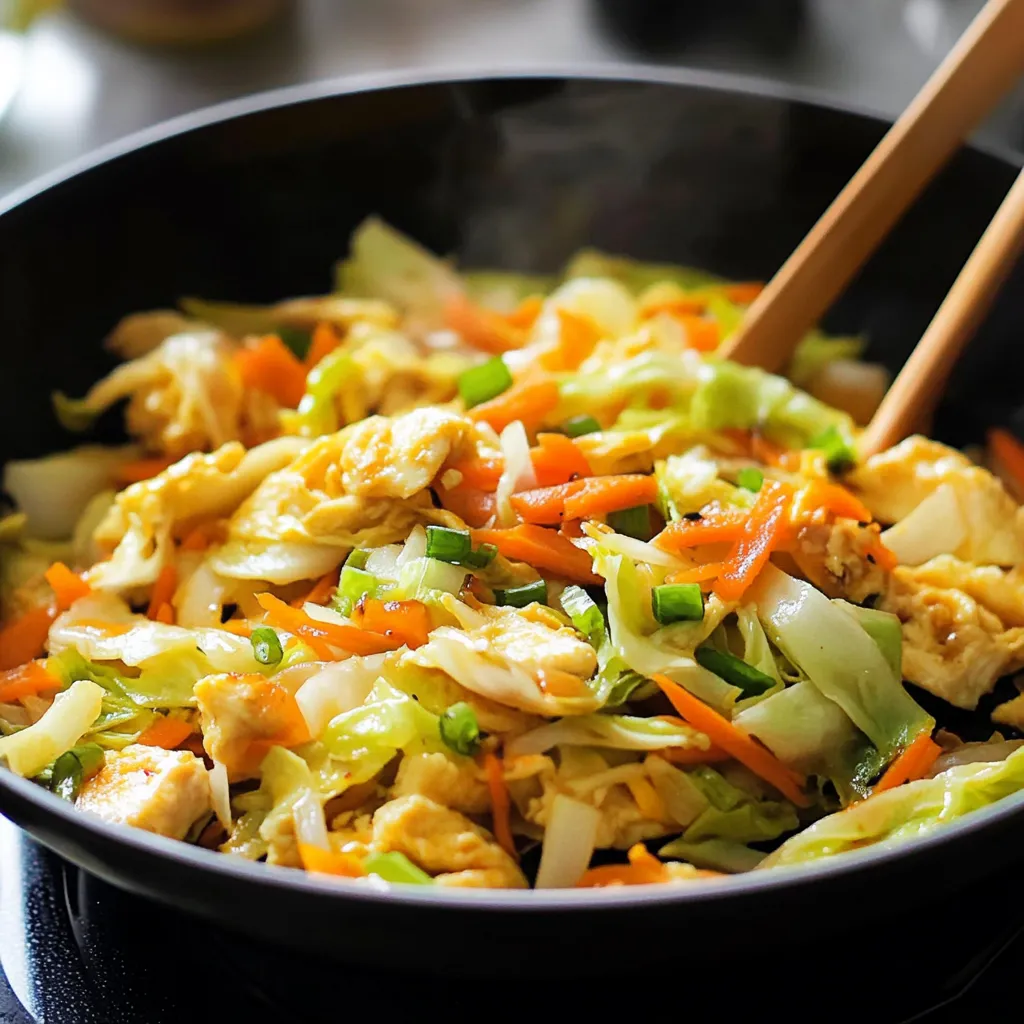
[(80, 73)]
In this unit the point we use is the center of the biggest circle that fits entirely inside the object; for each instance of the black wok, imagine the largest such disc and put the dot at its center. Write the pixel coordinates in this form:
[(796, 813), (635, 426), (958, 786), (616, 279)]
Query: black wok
[(255, 200)]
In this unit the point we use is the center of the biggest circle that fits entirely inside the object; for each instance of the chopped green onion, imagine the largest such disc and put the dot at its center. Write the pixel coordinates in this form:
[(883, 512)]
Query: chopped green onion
[(266, 645), (484, 382), (750, 680), (520, 597), (353, 585), (357, 558), (677, 602), (296, 339), (74, 767), (750, 479), (839, 455), (482, 556), (585, 614), (460, 729), (633, 522), (628, 683), (396, 867), (577, 426), (448, 545)]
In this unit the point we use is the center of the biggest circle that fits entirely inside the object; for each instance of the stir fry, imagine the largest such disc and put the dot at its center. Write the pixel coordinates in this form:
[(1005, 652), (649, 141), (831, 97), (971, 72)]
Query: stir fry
[(478, 579)]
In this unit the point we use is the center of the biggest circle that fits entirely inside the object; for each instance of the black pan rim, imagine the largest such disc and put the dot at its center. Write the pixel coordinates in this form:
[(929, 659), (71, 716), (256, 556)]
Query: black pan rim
[(849, 866)]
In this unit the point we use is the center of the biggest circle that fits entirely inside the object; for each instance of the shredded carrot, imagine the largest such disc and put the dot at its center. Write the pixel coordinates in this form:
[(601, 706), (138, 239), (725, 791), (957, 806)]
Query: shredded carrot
[(323, 636), (1008, 453), (320, 592), (675, 308), (691, 755), (884, 558), (544, 549), (646, 797), (474, 507), (479, 473), (544, 505), (271, 367), (141, 469), (526, 313), (166, 732), (837, 499), (163, 590), (528, 401), (721, 527), (556, 460), (105, 626), (912, 764), (26, 680), (643, 869), (165, 614), (330, 862), (67, 586), (325, 340), (701, 574), (408, 622), (571, 528), (701, 334), (577, 337), (602, 494), (766, 451), (743, 293), (762, 533), (500, 802), (734, 741), (561, 684), (240, 627), (25, 637), (483, 328)]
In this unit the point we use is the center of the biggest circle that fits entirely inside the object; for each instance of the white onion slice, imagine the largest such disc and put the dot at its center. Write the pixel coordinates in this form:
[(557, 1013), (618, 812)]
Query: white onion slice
[(220, 794), (974, 753), (338, 688), (518, 474), (310, 824), (383, 562), (569, 840), (633, 549), (935, 527), (415, 547)]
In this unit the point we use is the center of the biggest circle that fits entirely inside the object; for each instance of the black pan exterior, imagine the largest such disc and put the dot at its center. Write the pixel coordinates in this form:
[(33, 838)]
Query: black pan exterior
[(256, 202)]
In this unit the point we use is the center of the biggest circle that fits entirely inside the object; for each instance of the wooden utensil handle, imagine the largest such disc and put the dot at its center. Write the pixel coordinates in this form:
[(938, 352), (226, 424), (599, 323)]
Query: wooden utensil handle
[(978, 72)]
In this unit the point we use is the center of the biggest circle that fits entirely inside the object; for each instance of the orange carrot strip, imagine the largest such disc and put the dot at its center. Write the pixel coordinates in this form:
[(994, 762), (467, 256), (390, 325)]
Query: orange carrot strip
[(837, 499), (25, 637), (766, 451), (322, 636), (557, 460), (915, 760), (325, 340), (67, 586), (166, 732), (163, 590), (1009, 454), (743, 293), (545, 550), (528, 401), (26, 680), (165, 614), (406, 621), (202, 536), (141, 469), (761, 535), (544, 505), (577, 337), (734, 741), (712, 529), (675, 308), (602, 494), (482, 328), (474, 507), (240, 627), (643, 869), (701, 574), (270, 366), (321, 591), (526, 313), (571, 528), (480, 473), (701, 334), (330, 862), (500, 802), (884, 558)]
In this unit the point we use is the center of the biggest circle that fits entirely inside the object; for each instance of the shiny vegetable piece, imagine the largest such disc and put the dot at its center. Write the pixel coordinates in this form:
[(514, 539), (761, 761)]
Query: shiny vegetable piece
[(73, 767), (447, 544), (67, 586), (838, 452), (585, 614), (270, 366), (404, 622), (912, 764), (762, 533), (322, 636), (266, 646), (734, 670), (750, 479), (395, 868), (25, 680), (481, 383), (24, 639), (544, 549), (530, 403), (632, 522), (353, 585), (677, 602), (460, 729), (520, 597), (577, 426)]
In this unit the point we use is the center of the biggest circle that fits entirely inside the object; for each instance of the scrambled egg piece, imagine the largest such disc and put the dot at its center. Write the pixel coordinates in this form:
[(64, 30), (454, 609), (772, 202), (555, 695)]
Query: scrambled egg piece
[(837, 560), (455, 784), (893, 483), (444, 843), (242, 716), (954, 646), (1011, 713), (161, 791), (999, 591), (139, 333), (144, 517)]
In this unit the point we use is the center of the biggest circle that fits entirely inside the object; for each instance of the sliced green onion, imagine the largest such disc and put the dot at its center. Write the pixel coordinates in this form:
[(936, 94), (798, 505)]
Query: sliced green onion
[(520, 597), (750, 479), (396, 867), (460, 729), (577, 426), (585, 615), (357, 558), (353, 585), (677, 602), (750, 680), (839, 455), (266, 645), (482, 383), (633, 522), (625, 685), (296, 339), (482, 556), (448, 545), (74, 767)]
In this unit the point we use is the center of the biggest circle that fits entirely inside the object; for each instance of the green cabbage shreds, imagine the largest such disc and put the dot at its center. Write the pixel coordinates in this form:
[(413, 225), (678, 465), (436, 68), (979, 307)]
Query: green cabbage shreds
[(460, 730), (397, 868), (266, 646), (577, 426), (482, 383), (74, 767), (585, 614), (353, 585)]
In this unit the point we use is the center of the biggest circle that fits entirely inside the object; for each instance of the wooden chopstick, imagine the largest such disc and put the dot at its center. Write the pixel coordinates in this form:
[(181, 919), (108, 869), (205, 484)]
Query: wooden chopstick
[(977, 73), (917, 387)]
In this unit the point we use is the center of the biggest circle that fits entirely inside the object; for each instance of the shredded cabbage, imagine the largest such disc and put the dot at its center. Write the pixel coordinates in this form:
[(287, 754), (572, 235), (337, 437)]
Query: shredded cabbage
[(621, 732)]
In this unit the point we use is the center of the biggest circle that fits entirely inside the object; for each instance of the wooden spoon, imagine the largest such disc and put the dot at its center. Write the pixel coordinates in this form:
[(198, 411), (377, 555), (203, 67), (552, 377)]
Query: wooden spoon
[(918, 385), (977, 73)]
